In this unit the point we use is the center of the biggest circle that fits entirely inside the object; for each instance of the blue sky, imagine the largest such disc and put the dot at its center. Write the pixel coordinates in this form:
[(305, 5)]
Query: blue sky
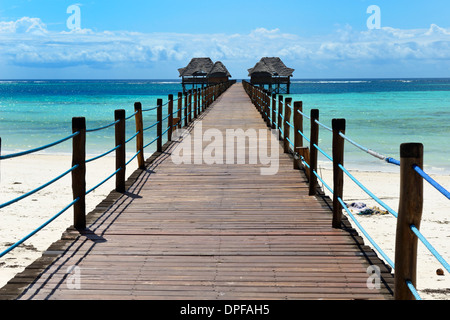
[(139, 39)]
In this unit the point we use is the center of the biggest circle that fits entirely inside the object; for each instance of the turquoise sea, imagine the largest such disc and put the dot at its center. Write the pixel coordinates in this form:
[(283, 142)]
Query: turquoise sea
[(380, 114)]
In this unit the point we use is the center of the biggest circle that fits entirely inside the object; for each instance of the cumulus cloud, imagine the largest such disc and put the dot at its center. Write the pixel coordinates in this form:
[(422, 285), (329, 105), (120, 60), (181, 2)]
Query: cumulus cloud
[(27, 42)]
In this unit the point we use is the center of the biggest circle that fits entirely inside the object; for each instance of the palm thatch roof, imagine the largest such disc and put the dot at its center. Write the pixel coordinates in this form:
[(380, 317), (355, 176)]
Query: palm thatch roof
[(204, 67), (273, 66), (219, 69), (197, 67)]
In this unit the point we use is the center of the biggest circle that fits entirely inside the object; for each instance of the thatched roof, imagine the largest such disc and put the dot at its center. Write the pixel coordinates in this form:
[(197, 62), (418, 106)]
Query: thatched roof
[(197, 67), (219, 70), (204, 67), (274, 66)]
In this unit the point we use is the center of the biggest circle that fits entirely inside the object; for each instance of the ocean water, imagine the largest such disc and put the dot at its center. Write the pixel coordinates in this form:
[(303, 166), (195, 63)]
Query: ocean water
[(380, 114)]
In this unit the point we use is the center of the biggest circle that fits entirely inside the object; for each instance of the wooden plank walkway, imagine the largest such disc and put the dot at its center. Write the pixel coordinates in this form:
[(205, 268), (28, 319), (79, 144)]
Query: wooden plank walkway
[(197, 231)]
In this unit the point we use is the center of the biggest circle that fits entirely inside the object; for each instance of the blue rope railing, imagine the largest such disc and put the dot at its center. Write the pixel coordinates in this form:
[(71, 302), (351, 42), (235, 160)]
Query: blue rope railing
[(15, 245), (14, 155), (38, 188), (47, 146)]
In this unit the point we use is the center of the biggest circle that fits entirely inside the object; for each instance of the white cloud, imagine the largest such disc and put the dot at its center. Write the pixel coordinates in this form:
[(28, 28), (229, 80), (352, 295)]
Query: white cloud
[(27, 42), (24, 25)]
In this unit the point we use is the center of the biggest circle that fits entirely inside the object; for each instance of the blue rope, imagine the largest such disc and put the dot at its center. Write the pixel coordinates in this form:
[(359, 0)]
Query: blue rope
[(301, 133), (14, 155), (133, 158), (38, 189), (290, 142), (369, 192), (324, 126), (391, 263), (413, 290), (103, 154), (151, 142), (323, 152), (430, 247), (430, 180), (324, 183), (38, 229), (151, 126), (134, 136), (307, 117), (318, 177), (392, 161), (145, 110), (131, 116), (98, 185), (103, 127)]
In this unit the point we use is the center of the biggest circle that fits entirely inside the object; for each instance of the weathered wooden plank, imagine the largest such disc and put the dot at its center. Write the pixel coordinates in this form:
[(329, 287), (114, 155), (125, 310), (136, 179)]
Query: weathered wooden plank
[(198, 231)]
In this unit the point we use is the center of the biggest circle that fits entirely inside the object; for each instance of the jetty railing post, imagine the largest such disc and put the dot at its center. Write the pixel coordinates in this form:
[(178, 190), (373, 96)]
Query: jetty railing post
[(140, 134), (119, 116), (203, 99), (338, 175), (409, 213), (298, 126), (170, 118), (195, 103), (314, 140), (159, 104), (186, 102), (79, 174), (190, 107), (266, 107), (287, 128), (280, 111), (180, 106), (274, 111)]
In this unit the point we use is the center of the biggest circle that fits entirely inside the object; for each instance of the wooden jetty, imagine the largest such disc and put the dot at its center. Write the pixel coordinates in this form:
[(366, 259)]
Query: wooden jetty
[(208, 231)]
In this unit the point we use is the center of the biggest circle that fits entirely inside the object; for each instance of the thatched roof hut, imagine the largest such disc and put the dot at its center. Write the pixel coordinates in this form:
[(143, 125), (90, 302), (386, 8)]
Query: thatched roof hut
[(197, 67), (273, 72), (203, 71)]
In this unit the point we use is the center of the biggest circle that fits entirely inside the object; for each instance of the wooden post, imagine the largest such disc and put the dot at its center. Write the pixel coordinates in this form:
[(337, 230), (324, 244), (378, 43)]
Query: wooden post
[(170, 118), (140, 135), (79, 174), (186, 102), (287, 128), (199, 102), (298, 126), (274, 111), (280, 112), (195, 103), (338, 175), (409, 213), (159, 104), (203, 99), (180, 106), (314, 140), (190, 107), (120, 152)]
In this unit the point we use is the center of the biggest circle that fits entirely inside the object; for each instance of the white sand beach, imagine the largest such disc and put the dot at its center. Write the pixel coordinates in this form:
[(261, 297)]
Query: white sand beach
[(382, 228), (26, 173), (23, 174)]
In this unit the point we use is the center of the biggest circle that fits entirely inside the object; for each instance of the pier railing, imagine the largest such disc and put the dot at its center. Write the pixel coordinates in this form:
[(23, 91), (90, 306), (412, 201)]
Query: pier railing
[(180, 112), (277, 112)]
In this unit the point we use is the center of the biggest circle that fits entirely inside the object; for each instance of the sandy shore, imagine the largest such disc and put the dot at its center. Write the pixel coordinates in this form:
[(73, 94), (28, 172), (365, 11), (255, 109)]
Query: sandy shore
[(23, 174), (435, 224), (26, 173)]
